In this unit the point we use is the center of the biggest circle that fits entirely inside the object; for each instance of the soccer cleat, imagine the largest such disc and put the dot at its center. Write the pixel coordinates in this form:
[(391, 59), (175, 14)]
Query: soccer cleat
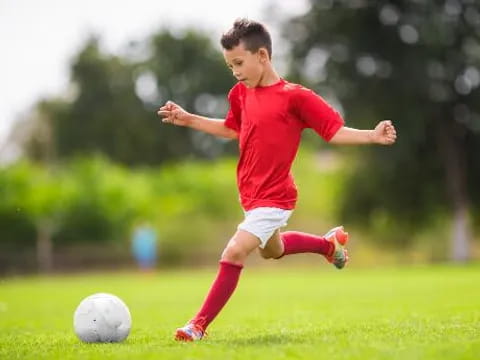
[(338, 237), (190, 332)]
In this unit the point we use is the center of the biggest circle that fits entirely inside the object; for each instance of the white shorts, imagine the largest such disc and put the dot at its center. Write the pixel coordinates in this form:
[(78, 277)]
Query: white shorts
[(264, 221)]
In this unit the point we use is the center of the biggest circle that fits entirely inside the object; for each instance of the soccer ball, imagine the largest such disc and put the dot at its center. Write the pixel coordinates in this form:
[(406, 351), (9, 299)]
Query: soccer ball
[(102, 318)]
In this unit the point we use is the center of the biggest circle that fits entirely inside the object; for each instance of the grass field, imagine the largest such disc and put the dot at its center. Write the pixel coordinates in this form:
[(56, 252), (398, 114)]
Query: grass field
[(276, 313)]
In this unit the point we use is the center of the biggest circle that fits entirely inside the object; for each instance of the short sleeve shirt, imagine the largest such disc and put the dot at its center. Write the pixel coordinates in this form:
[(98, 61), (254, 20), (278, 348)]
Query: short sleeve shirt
[(269, 122)]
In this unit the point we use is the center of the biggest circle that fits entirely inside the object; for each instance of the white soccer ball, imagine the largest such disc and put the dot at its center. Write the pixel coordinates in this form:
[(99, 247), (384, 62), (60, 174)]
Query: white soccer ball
[(102, 318)]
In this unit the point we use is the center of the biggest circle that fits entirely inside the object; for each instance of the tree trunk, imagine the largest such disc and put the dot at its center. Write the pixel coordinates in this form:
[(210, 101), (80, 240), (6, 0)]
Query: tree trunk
[(460, 234), (456, 180), (44, 246)]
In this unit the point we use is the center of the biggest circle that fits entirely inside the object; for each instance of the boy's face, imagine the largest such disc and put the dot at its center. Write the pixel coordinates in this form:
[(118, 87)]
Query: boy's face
[(246, 66)]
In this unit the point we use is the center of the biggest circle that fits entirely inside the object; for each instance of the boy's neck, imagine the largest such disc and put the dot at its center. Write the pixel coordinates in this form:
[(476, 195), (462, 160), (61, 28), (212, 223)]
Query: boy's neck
[(269, 77)]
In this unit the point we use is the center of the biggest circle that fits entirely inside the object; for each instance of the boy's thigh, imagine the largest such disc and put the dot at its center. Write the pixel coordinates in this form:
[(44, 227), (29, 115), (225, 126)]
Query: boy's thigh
[(274, 246)]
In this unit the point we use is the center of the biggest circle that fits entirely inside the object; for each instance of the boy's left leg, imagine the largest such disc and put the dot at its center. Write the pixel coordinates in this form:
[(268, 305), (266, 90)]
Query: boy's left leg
[(293, 242)]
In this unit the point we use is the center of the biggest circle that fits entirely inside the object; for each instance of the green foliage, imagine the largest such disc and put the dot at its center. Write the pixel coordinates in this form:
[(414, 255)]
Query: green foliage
[(35, 193), (284, 313), (14, 222), (104, 206)]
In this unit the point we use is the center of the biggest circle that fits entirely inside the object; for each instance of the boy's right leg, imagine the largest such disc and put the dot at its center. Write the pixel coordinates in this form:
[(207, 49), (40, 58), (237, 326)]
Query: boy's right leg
[(231, 264)]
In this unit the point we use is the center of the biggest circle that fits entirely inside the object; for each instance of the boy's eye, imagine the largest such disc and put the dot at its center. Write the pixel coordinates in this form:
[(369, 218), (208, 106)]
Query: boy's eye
[(236, 63)]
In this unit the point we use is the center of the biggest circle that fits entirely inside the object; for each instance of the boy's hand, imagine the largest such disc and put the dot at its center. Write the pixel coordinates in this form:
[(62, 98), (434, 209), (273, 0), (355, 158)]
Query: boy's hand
[(172, 113), (384, 133)]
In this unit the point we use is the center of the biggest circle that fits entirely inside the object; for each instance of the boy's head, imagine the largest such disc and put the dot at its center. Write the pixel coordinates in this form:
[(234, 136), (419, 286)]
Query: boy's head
[(247, 50)]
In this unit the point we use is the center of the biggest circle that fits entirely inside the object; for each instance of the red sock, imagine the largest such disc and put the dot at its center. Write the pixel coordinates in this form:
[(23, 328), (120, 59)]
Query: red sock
[(220, 291), (295, 242)]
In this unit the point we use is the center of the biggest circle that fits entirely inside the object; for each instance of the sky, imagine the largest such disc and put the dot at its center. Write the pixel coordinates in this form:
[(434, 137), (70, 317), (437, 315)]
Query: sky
[(39, 38)]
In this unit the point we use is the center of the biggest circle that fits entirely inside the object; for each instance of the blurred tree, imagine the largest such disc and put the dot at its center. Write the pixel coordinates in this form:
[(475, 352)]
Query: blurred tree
[(190, 71), (417, 63), (43, 196), (111, 104)]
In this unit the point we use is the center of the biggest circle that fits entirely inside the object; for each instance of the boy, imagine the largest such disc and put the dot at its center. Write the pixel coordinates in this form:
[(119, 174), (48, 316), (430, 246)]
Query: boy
[(267, 115)]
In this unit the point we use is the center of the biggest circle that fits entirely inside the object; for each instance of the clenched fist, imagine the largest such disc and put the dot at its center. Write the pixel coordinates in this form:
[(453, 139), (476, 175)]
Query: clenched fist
[(384, 133)]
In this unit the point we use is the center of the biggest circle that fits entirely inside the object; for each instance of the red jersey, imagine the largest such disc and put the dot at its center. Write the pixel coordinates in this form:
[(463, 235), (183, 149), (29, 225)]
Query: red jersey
[(269, 121)]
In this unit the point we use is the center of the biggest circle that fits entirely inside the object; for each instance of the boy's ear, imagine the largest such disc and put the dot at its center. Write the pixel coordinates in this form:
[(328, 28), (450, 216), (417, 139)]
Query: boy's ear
[(263, 55)]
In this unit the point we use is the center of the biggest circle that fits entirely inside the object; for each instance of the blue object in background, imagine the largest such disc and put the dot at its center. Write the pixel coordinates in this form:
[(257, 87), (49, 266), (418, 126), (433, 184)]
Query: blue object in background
[(144, 246)]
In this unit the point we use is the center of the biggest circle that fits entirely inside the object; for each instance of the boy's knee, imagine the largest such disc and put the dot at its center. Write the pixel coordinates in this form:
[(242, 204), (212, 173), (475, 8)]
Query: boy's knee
[(234, 254)]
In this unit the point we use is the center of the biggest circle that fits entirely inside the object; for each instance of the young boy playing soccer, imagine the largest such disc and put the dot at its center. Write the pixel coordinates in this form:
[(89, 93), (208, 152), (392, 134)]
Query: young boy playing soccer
[(267, 115)]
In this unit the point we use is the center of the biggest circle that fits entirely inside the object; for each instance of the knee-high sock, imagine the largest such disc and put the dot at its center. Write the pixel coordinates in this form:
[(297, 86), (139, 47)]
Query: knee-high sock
[(295, 242), (220, 291)]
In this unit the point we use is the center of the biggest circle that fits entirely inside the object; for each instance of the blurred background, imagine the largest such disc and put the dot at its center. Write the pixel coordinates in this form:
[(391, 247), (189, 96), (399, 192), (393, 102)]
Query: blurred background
[(91, 179)]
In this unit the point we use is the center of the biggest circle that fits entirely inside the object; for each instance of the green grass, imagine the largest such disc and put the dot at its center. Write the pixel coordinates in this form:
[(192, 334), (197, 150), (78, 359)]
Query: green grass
[(276, 313)]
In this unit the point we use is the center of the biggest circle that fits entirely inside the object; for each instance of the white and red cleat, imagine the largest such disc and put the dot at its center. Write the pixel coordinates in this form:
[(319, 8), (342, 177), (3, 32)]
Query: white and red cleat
[(190, 332), (339, 238)]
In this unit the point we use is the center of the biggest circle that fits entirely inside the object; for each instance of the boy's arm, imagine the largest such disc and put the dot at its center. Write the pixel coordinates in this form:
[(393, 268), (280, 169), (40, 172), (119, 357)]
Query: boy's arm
[(384, 134), (176, 115)]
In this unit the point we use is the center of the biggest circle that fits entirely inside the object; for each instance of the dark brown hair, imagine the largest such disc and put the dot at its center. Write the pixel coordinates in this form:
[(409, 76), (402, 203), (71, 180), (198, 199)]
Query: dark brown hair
[(253, 35)]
